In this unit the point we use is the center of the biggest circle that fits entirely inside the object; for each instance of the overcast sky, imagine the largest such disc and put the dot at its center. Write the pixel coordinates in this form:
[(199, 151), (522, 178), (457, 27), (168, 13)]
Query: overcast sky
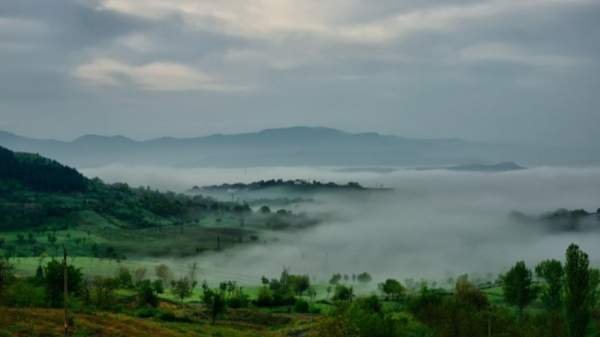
[(499, 70)]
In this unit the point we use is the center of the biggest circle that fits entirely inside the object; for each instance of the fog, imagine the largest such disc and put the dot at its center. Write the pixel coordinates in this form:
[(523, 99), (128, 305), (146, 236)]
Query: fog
[(435, 224)]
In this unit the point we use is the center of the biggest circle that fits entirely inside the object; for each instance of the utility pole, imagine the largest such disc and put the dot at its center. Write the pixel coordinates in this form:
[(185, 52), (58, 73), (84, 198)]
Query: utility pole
[(66, 291)]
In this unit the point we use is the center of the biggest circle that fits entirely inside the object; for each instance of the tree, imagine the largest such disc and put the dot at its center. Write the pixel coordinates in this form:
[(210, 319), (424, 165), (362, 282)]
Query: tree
[(163, 272), (580, 290), (467, 293), (214, 302), (299, 283), (518, 286), (146, 294), (125, 278), (182, 288), (6, 274), (335, 279), (265, 209), (158, 286), (364, 278), (139, 275), (264, 297), (312, 293), (102, 291), (552, 272), (193, 271), (392, 289), (343, 293), (54, 281)]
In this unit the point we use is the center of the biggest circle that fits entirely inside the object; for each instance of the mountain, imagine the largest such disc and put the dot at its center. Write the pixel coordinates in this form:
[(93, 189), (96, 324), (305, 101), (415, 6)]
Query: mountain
[(499, 167), (272, 147)]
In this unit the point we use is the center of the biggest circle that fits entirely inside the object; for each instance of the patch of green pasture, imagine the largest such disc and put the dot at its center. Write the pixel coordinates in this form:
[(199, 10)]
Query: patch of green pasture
[(90, 266)]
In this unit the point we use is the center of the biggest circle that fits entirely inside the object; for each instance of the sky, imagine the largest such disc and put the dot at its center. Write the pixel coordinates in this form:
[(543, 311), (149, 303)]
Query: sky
[(494, 70)]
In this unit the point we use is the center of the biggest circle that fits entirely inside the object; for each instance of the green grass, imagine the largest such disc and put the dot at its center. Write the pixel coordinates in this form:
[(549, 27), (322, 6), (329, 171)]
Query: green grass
[(90, 266), (165, 241)]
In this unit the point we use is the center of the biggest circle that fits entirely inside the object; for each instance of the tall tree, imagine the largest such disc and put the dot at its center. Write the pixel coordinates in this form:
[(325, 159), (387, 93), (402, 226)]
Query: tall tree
[(518, 286), (6, 274), (392, 289), (552, 272), (183, 288), (580, 290), (55, 281), (214, 301)]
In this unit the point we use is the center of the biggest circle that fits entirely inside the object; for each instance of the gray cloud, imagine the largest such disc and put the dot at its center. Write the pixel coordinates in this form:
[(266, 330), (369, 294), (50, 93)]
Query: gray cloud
[(500, 70)]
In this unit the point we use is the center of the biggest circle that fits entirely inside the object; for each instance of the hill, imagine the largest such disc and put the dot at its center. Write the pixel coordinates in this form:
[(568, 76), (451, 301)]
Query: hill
[(297, 185), (272, 147), (39, 173), (562, 220), (44, 204)]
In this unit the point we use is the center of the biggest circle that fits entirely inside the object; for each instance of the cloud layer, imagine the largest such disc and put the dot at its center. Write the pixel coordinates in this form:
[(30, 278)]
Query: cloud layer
[(470, 68), (435, 224)]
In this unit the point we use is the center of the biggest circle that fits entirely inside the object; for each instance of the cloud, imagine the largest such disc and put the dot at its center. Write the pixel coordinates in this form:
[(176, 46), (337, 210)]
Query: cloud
[(434, 224), (330, 20), (165, 76), (500, 52), (406, 67)]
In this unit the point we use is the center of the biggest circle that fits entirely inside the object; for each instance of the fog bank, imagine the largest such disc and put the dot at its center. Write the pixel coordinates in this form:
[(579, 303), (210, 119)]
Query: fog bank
[(434, 224)]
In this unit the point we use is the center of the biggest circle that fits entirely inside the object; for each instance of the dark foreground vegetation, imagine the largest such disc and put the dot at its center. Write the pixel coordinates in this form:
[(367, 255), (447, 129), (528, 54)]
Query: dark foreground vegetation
[(556, 298)]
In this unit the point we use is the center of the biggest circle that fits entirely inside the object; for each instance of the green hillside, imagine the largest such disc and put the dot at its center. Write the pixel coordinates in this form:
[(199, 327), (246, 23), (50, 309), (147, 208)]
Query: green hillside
[(45, 205)]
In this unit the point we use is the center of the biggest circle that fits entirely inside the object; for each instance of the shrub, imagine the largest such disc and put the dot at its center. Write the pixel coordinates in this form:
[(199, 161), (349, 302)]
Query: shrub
[(146, 295), (146, 312), (238, 300), (301, 306), (22, 293), (265, 297)]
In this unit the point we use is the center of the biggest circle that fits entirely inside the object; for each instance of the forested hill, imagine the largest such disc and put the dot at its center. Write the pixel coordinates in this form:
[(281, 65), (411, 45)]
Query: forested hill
[(37, 191), (39, 173), (297, 185)]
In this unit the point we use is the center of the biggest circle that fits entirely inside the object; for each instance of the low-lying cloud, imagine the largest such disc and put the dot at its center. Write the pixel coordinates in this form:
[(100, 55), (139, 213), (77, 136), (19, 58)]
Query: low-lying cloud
[(433, 225)]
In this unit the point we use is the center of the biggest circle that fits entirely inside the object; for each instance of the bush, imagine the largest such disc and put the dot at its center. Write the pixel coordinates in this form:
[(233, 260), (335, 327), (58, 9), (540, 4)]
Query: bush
[(22, 293), (265, 297), (359, 319), (158, 286), (125, 278), (146, 312), (301, 306), (146, 295), (313, 309), (238, 300)]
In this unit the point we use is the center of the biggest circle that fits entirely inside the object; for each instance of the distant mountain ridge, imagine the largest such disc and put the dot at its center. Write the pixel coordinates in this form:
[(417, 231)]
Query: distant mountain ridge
[(294, 146), (499, 167)]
